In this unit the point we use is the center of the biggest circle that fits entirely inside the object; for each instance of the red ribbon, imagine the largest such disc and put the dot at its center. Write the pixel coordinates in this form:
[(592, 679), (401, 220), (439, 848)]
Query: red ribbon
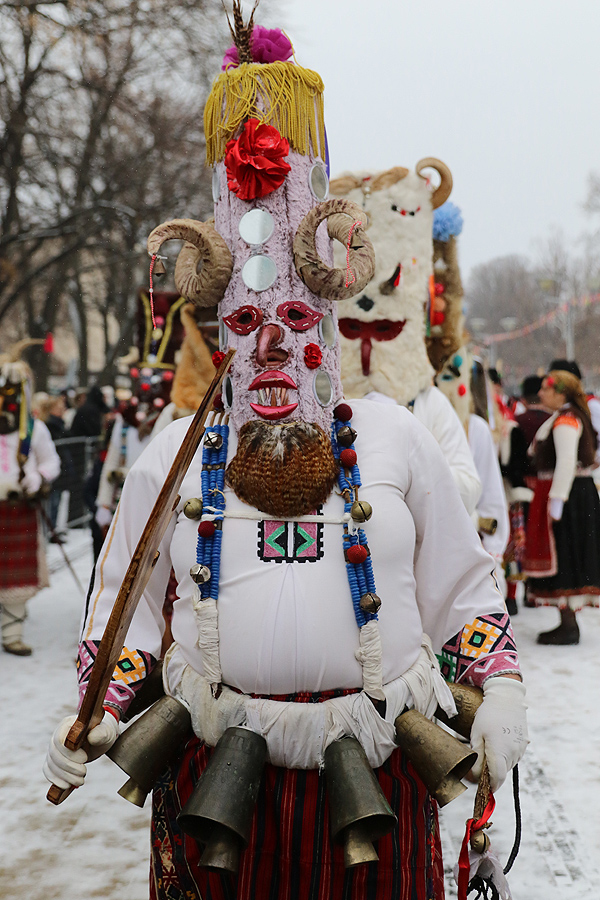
[(464, 867)]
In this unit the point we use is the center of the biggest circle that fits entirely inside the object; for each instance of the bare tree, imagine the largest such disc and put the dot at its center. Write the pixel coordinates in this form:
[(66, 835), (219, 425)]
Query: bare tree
[(101, 104)]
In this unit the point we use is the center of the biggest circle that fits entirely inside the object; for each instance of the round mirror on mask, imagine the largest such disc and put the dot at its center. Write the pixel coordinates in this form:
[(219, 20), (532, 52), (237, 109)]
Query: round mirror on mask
[(259, 273), (227, 395), (256, 226), (222, 335), (327, 331), (216, 186), (318, 181), (322, 388)]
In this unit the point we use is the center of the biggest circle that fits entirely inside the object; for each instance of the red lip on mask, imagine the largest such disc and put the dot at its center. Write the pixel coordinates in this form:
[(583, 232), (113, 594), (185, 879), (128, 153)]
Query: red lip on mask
[(274, 379), (273, 387), (379, 330)]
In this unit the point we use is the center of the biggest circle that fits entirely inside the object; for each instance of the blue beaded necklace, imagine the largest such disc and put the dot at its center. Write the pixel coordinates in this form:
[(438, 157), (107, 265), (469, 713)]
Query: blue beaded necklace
[(359, 567)]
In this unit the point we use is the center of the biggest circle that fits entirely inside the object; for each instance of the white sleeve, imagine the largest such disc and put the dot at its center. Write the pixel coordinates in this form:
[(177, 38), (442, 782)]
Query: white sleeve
[(140, 491), (594, 408), (492, 503), (566, 442), (43, 452), (435, 411), (106, 491), (453, 573)]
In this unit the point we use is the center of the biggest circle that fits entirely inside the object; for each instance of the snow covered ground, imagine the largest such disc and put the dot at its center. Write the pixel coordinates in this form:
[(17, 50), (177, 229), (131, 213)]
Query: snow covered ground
[(96, 844)]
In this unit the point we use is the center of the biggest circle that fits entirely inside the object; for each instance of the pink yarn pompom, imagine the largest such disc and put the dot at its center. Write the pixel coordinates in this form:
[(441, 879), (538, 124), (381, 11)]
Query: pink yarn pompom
[(267, 44)]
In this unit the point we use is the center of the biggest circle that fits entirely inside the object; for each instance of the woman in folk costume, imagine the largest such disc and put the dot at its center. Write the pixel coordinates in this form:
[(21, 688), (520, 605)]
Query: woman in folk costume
[(562, 553), (283, 632), (383, 328), (28, 462)]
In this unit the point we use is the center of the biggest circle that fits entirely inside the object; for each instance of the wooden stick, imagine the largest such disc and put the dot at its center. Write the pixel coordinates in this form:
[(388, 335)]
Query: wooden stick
[(135, 580)]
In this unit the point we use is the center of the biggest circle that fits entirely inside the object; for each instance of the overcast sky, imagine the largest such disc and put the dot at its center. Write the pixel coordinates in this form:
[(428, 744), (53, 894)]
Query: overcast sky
[(505, 93)]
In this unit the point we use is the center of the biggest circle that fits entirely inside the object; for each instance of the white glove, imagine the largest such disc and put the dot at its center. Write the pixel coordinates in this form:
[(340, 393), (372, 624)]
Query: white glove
[(500, 728), (556, 508), (31, 482), (103, 516), (66, 768)]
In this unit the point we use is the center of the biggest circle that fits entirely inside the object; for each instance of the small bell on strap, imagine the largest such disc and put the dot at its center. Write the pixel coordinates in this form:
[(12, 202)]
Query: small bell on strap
[(479, 869), (361, 511), (346, 436), (192, 508), (159, 267)]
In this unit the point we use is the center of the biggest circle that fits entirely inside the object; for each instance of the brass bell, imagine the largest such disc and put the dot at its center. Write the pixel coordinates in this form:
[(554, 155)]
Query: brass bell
[(192, 508), (480, 841), (222, 852), (199, 573), (213, 440), (370, 603), (159, 267), (145, 749), (439, 758), (487, 525), (220, 810), (346, 436), (361, 511), (468, 699), (359, 812)]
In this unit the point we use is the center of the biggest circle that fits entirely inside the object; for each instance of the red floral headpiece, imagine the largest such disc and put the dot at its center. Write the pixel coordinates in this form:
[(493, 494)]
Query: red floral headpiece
[(255, 161)]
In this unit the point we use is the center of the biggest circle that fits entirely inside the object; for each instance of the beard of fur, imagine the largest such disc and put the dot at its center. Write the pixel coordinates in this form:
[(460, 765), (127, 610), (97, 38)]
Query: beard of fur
[(283, 470)]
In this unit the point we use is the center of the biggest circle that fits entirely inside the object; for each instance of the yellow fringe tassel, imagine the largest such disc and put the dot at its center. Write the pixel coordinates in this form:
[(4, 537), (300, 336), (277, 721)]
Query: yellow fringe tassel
[(280, 94)]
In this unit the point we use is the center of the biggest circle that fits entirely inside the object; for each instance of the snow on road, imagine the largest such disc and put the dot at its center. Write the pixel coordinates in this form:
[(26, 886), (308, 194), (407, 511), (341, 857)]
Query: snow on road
[(95, 845)]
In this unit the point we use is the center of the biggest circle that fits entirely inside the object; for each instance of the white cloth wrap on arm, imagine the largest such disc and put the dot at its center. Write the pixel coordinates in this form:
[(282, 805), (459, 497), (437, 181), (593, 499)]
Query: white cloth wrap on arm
[(297, 734), (566, 442)]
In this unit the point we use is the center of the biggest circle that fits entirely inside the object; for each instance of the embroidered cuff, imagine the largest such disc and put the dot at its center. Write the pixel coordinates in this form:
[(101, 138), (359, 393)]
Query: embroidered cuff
[(483, 648), (131, 670)]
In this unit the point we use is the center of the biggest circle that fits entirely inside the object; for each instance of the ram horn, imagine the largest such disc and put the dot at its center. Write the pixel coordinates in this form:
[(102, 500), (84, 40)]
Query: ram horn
[(345, 223), (386, 179), (203, 245), (444, 189)]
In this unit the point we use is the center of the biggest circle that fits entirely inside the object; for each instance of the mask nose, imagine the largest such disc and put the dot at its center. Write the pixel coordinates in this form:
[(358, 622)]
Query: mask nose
[(268, 355)]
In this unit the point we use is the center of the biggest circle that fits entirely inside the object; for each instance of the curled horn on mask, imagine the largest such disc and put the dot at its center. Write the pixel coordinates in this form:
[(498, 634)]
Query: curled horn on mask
[(203, 247), (346, 222), (444, 189)]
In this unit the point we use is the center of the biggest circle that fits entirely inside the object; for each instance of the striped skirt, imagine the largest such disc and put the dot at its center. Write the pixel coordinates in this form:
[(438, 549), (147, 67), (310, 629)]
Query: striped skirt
[(290, 856)]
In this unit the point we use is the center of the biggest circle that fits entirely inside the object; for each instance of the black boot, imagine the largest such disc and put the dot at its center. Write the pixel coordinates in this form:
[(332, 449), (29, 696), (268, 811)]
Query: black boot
[(511, 606), (566, 633)]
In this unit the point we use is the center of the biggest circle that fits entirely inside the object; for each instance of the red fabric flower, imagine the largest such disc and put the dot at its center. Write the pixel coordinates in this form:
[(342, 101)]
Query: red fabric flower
[(217, 358), (312, 356), (254, 162)]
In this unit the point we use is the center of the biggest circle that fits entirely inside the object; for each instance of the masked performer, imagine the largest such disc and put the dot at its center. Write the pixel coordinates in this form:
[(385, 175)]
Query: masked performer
[(28, 462), (383, 328), (279, 627)]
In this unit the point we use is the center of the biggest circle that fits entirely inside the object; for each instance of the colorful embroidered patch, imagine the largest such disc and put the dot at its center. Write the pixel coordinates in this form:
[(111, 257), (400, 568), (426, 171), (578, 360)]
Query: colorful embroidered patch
[(290, 541), (484, 647), (131, 669)]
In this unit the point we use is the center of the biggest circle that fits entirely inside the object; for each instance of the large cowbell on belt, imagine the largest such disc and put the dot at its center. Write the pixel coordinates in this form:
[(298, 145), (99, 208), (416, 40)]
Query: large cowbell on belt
[(145, 749), (219, 813), (359, 812)]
